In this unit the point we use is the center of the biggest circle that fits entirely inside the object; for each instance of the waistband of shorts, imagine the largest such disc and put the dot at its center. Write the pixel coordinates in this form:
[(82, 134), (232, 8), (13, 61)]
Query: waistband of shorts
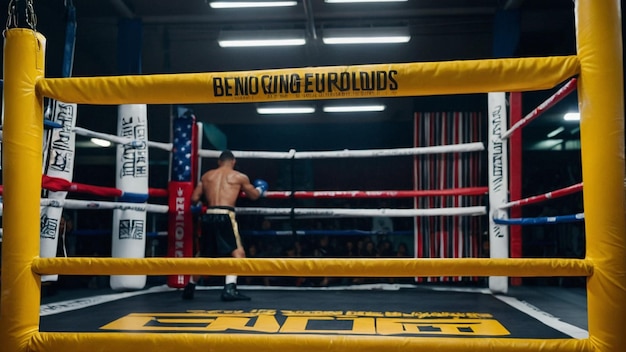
[(220, 210)]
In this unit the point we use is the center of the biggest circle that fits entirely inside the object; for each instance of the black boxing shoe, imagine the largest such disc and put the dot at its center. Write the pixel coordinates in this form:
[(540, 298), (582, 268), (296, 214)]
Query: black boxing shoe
[(189, 291), (230, 293)]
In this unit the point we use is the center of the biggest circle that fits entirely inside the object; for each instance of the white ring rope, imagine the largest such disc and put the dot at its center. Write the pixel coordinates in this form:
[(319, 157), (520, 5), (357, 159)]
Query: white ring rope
[(89, 204), (120, 140), (116, 139), (339, 212), (292, 154), (319, 212)]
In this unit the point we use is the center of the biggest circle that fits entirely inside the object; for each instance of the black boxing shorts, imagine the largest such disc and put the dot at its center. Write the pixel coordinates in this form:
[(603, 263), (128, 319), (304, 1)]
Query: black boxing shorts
[(220, 234)]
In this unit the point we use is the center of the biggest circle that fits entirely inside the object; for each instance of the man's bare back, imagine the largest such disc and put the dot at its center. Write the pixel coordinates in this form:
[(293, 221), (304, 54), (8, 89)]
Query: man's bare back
[(221, 186)]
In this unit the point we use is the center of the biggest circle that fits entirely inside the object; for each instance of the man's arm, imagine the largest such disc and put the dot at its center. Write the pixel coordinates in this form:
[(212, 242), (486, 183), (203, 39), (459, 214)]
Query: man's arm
[(248, 188), (196, 195), (254, 190)]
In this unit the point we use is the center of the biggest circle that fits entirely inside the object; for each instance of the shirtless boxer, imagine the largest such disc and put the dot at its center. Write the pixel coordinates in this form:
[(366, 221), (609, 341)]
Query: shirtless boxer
[(220, 188)]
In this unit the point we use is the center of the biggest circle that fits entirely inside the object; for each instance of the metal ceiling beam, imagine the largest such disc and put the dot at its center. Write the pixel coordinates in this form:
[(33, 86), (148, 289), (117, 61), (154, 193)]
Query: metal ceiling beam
[(122, 9), (310, 19), (252, 17), (512, 4)]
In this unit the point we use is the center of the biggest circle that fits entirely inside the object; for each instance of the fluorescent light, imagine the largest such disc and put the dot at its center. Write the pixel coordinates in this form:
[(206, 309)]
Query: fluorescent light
[(556, 131), (285, 110), (355, 108), (231, 39), (351, 1), (547, 144), (244, 4), (572, 116), (367, 40), (260, 42), (368, 35), (101, 142)]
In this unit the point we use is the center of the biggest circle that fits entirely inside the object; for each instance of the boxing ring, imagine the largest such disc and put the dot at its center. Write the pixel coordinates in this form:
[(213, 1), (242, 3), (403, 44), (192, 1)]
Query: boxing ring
[(600, 85)]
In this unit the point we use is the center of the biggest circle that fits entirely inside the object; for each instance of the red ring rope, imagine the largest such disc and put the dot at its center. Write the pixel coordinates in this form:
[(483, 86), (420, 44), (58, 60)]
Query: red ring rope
[(60, 185), (469, 191), (569, 87), (540, 198)]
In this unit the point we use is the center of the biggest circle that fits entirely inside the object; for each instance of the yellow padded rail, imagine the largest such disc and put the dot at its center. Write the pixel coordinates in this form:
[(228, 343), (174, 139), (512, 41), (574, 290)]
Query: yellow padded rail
[(129, 342), (360, 81), (314, 267)]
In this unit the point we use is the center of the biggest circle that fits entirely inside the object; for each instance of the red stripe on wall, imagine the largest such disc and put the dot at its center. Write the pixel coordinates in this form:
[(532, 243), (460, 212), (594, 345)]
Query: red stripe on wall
[(515, 178), (447, 237)]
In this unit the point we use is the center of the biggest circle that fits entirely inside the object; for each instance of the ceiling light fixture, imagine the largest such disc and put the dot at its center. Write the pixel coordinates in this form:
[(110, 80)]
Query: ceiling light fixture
[(352, 1), (100, 142), (245, 4), (232, 39), (354, 108), (285, 110), (572, 116), (556, 131), (368, 35)]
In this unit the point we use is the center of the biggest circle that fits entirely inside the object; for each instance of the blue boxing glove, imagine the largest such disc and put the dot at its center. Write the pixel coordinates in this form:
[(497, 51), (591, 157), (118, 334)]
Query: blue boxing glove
[(260, 186)]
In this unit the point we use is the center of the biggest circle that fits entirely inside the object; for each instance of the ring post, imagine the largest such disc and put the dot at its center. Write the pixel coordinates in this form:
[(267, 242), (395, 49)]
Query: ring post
[(129, 225), (601, 97), (180, 188), (498, 186), (24, 52), (60, 164)]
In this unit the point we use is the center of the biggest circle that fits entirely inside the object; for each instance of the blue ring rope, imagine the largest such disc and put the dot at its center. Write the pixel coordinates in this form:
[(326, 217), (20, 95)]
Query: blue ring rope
[(541, 220)]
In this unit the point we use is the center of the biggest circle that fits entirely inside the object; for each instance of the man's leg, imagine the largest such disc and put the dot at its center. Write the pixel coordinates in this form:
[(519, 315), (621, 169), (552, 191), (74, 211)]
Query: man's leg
[(230, 292), (190, 288)]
